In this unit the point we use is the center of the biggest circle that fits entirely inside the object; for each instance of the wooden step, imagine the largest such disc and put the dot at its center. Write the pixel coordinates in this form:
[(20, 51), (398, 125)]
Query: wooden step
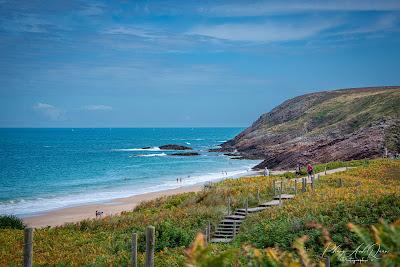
[(235, 217), (226, 230), (220, 240), (253, 210), (270, 203), (231, 235), (230, 231), (230, 221), (227, 227), (284, 196)]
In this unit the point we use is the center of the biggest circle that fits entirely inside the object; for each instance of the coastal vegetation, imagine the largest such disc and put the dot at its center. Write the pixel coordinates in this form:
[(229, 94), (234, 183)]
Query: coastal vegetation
[(11, 222), (282, 234), (380, 246)]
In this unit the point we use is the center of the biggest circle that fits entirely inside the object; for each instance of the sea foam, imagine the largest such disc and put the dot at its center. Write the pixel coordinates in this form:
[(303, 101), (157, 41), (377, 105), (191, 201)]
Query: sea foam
[(151, 155), (154, 148)]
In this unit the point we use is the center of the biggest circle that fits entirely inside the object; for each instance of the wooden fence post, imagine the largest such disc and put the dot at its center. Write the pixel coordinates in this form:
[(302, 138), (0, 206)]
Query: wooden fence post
[(258, 195), (295, 186), (229, 205), (318, 176), (274, 186), (303, 186), (246, 205), (28, 247), (234, 228), (280, 197), (134, 250), (312, 182), (206, 235), (150, 242), (325, 170), (209, 231), (327, 261), (281, 186), (340, 182)]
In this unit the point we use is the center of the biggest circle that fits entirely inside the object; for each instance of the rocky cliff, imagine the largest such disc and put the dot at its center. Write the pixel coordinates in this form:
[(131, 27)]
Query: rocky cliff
[(325, 126)]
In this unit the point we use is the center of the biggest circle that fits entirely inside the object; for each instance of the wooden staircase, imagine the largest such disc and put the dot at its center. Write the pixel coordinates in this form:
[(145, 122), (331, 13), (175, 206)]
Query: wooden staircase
[(230, 225)]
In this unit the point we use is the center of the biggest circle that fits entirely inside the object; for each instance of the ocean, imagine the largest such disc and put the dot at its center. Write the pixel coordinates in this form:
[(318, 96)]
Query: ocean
[(48, 169)]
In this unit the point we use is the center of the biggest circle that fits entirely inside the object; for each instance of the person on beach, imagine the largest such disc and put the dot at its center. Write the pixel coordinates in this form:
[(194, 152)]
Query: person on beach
[(266, 171), (310, 170), (177, 180), (180, 180)]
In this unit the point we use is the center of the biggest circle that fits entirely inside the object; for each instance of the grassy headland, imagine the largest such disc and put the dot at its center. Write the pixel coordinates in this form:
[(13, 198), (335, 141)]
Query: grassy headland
[(325, 126)]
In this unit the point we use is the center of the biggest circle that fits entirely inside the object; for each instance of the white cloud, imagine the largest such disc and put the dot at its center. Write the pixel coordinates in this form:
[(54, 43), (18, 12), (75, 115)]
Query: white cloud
[(93, 10), (26, 24), (98, 108), (126, 30), (384, 23), (264, 32), (50, 111), (260, 8)]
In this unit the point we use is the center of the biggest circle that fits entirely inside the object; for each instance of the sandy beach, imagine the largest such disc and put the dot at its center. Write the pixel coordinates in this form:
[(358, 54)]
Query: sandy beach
[(114, 207)]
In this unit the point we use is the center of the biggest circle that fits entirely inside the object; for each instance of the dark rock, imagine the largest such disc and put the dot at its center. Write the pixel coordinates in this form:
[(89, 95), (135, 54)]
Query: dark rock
[(146, 147), (174, 147), (237, 158), (185, 154), (232, 154)]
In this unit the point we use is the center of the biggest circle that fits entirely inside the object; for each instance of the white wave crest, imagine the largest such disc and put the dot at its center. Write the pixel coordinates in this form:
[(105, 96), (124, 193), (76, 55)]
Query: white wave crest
[(152, 155), (154, 148)]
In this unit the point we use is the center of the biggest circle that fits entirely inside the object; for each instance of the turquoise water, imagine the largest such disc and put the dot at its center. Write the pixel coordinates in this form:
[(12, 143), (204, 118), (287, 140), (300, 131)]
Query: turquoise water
[(46, 169)]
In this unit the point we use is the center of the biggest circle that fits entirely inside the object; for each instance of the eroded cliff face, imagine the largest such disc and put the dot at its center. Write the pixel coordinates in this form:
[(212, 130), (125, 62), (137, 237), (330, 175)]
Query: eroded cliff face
[(325, 126)]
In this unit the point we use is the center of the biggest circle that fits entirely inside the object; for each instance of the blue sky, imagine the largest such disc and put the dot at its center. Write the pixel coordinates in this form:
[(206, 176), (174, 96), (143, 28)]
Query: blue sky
[(68, 63)]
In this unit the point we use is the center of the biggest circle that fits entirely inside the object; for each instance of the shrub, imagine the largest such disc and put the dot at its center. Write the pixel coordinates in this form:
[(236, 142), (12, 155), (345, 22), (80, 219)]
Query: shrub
[(11, 222), (168, 234)]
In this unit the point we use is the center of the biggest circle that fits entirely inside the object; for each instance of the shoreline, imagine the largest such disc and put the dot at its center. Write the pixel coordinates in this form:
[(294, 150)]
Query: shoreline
[(75, 214), (61, 216)]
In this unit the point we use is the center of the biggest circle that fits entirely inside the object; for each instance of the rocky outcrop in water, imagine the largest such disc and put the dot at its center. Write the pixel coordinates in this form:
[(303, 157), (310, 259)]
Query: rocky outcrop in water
[(185, 154), (174, 147)]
